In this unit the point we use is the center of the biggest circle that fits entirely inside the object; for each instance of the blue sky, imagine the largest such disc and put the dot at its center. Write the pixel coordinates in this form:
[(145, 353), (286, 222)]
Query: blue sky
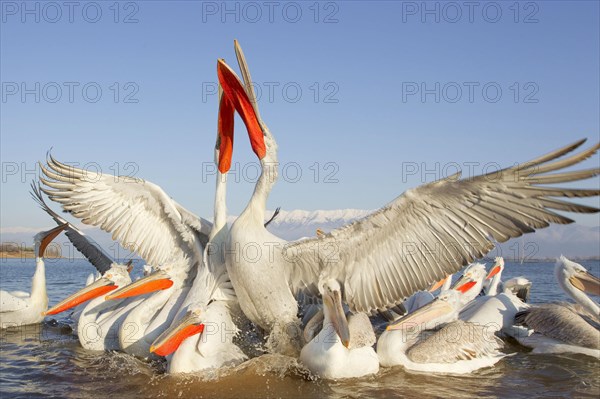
[(502, 84)]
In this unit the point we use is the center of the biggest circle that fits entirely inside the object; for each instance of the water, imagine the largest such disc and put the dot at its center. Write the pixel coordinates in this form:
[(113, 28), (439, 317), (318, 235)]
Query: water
[(47, 360)]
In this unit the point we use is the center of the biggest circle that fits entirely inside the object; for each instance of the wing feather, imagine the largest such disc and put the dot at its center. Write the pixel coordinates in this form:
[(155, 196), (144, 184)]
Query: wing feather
[(436, 229), (83, 243), (137, 213)]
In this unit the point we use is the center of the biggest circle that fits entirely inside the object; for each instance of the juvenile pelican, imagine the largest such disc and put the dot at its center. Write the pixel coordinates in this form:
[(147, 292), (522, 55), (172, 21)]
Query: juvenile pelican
[(18, 308), (564, 327), (380, 260)]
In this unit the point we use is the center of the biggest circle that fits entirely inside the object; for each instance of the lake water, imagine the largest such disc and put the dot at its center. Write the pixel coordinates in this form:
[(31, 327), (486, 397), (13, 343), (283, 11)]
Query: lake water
[(47, 361)]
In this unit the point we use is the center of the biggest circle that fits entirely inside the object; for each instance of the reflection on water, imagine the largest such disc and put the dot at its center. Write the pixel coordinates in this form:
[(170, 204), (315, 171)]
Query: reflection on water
[(47, 360)]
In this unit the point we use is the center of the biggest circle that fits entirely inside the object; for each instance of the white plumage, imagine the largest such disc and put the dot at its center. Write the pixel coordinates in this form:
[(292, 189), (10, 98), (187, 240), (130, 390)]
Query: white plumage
[(417, 239), (18, 308)]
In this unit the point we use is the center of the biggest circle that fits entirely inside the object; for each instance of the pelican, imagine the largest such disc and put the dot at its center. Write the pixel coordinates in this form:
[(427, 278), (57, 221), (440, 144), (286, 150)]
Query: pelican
[(208, 303), (97, 320), (143, 219), (495, 310), (417, 300), (457, 348), (564, 327), (493, 283), (474, 274), (380, 260), (19, 308), (329, 354)]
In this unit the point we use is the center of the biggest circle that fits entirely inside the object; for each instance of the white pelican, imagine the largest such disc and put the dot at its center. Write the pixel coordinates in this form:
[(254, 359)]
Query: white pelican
[(474, 274), (208, 303), (414, 241), (495, 310), (19, 308), (457, 348), (493, 283), (97, 320), (144, 219), (330, 354), (564, 327)]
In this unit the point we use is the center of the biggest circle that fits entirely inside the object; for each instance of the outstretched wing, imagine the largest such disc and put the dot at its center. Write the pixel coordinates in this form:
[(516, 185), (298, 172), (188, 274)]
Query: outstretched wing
[(83, 243), (138, 213), (434, 230)]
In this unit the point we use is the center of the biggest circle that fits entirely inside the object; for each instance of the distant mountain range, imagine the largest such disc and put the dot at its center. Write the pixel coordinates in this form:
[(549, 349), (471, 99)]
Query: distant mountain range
[(570, 240)]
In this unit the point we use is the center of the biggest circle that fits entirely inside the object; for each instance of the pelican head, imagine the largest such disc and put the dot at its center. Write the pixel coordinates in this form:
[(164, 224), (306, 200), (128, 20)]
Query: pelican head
[(492, 280), (190, 324), (240, 97), (497, 268), (572, 274), (43, 238), (331, 292), (441, 310), (471, 282), (115, 277)]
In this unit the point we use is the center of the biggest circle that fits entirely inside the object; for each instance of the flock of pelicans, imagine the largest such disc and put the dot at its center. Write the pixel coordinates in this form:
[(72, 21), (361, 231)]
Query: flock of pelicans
[(315, 298)]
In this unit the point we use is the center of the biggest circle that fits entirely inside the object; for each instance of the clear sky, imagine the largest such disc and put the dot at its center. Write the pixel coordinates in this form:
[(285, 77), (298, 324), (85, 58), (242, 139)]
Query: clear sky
[(365, 99)]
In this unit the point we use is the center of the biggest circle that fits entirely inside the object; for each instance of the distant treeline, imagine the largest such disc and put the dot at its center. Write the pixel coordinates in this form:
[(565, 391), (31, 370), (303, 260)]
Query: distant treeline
[(15, 249)]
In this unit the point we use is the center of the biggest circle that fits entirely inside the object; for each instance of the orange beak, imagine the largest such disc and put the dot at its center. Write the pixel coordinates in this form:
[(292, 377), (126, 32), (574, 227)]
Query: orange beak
[(495, 270), (225, 129), (437, 285), (156, 281), (466, 286), (171, 339), (234, 90), (94, 290)]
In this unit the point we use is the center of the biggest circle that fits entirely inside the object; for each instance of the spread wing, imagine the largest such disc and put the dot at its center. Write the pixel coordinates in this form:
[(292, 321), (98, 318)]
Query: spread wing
[(138, 213), (434, 230), (83, 243)]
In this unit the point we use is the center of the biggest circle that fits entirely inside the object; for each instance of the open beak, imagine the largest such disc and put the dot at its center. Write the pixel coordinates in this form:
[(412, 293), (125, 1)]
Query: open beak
[(94, 290), (225, 132), (438, 284), (333, 302), (495, 270), (156, 281), (421, 316), (48, 237), (171, 338), (234, 91), (586, 282)]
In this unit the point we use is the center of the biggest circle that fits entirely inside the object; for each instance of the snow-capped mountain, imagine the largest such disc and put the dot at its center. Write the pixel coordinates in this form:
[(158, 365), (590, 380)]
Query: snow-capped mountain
[(292, 225)]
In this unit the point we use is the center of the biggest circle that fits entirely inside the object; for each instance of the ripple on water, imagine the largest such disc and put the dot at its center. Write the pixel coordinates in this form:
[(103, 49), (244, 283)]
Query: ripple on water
[(47, 361)]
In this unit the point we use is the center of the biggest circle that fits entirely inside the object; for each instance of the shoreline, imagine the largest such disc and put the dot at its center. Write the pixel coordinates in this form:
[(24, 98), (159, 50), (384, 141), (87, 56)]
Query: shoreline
[(23, 255)]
